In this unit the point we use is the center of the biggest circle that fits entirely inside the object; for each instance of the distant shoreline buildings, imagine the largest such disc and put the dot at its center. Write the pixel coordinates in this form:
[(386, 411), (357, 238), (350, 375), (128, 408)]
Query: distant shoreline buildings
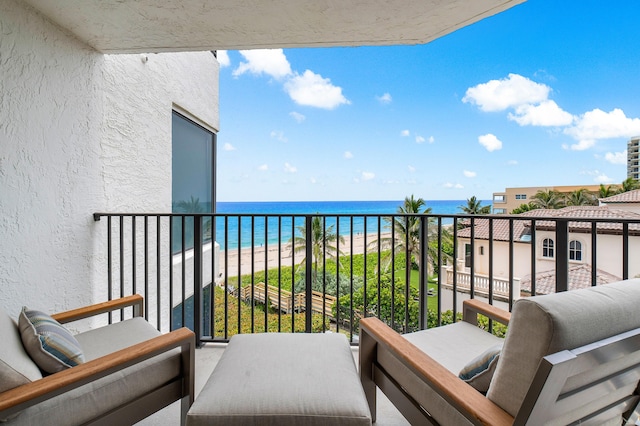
[(633, 167), (504, 202)]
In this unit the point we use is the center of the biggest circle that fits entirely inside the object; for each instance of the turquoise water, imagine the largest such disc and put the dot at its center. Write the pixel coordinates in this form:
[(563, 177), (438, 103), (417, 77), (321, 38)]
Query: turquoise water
[(270, 229)]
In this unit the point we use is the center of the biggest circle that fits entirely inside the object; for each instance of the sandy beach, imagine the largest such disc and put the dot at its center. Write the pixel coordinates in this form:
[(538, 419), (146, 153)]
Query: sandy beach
[(257, 255)]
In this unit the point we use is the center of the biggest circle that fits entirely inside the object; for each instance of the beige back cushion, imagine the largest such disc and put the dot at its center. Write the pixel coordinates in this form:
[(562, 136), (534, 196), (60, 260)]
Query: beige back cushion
[(543, 325), (16, 368)]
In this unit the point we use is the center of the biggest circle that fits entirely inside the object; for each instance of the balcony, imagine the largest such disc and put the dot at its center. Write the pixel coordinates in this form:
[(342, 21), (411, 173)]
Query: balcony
[(499, 198), (226, 274)]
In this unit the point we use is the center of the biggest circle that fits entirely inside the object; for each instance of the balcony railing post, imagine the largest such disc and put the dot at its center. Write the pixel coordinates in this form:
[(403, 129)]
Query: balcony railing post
[(423, 271), (562, 255), (308, 272), (197, 278)]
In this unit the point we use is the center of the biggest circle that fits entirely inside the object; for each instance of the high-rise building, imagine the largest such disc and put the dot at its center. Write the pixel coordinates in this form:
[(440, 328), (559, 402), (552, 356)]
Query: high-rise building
[(633, 148)]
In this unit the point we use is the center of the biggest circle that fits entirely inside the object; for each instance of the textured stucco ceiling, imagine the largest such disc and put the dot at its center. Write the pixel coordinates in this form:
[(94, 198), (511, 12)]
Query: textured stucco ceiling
[(127, 26)]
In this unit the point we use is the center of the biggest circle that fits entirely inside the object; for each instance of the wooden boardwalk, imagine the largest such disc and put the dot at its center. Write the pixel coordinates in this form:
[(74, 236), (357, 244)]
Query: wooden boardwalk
[(287, 302)]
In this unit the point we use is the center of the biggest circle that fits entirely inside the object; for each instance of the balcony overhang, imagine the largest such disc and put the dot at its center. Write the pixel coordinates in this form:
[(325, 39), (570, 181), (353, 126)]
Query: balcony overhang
[(130, 26)]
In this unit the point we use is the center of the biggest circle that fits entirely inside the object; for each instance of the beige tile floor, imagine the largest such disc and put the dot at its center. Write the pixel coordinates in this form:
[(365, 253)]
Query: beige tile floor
[(206, 359)]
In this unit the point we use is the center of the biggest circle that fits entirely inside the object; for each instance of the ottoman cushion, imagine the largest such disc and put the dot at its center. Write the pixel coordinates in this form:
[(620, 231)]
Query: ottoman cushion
[(283, 379)]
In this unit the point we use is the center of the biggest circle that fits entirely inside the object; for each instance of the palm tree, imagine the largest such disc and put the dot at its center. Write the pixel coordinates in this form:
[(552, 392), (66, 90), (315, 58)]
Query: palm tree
[(474, 206), (606, 191), (629, 184), (548, 199), (322, 240), (193, 205), (407, 232), (522, 208), (580, 197)]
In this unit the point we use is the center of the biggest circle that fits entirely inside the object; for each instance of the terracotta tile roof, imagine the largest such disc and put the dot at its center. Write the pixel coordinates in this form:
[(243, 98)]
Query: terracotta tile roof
[(625, 197), (591, 212), (500, 229), (521, 227), (579, 277)]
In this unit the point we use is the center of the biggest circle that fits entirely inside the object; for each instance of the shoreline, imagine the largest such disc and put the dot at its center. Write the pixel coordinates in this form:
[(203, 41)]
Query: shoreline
[(259, 255)]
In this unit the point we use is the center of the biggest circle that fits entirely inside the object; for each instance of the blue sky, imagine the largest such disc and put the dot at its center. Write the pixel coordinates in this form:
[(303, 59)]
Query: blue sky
[(546, 93)]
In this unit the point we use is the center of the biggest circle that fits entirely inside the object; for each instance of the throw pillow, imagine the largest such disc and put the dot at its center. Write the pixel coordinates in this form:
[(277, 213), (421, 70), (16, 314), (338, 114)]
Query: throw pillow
[(49, 344), (479, 371)]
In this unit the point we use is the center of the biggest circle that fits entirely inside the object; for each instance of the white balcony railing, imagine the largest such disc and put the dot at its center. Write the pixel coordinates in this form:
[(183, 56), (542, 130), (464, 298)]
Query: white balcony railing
[(481, 284)]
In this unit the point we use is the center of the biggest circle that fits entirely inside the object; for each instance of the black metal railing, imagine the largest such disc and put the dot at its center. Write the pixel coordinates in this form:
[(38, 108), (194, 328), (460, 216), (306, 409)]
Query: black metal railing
[(247, 273)]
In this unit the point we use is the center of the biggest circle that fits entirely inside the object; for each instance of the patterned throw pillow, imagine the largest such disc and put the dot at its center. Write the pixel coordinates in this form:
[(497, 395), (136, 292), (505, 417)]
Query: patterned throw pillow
[(49, 344), (479, 371)]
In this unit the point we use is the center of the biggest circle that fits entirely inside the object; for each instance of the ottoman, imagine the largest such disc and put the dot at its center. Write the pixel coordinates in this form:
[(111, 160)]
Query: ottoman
[(283, 379)]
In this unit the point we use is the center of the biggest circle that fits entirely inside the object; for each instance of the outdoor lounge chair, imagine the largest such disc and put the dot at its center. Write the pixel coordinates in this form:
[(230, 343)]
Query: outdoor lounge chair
[(130, 371), (571, 357)]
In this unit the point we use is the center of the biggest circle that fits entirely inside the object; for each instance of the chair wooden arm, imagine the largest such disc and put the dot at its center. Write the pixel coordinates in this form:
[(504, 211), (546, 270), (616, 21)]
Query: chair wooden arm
[(101, 308), (376, 336), (472, 307), (17, 399)]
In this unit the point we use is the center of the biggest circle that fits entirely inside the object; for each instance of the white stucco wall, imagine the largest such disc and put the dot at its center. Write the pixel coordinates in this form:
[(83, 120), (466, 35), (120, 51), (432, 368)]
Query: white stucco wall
[(80, 133), (50, 165), (521, 256)]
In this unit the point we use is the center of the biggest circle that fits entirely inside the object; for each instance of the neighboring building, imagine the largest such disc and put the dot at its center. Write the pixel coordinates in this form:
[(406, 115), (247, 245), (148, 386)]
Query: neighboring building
[(633, 158), (609, 250), (511, 198)]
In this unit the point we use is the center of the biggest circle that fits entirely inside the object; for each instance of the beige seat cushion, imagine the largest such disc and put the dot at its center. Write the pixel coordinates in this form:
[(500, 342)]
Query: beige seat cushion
[(283, 379), (83, 404), (543, 325), (452, 346)]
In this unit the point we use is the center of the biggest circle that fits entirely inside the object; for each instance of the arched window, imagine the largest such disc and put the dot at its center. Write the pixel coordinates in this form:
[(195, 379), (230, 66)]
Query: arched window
[(575, 250), (547, 247)]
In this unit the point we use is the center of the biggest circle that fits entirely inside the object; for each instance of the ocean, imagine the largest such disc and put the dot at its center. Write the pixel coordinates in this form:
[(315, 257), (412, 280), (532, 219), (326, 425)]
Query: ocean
[(270, 231)]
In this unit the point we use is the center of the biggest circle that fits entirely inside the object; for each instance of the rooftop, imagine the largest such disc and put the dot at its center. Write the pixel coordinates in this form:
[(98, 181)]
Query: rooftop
[(579, 277), (521, 227), (625, 197)]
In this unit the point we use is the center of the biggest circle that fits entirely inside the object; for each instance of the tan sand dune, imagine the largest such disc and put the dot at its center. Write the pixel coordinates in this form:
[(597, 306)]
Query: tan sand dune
[(257, 256)]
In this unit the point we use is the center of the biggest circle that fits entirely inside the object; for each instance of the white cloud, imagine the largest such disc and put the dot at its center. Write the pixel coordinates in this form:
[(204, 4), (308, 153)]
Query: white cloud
[(411, 169), (469, 173), (547, 113), (490, 142), (272, 62), (432, 139), (453, 185), (510, 92), (419, 139), (263, 167), (348, 155), (288, 168), (312, 89), (313, 180), (616, 157), (512, 162), (384, 99), (297, 116), (223, 58), (597, 124), (602, 178), (405, 133), (278, 135), (367, 176), (228, 147)]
